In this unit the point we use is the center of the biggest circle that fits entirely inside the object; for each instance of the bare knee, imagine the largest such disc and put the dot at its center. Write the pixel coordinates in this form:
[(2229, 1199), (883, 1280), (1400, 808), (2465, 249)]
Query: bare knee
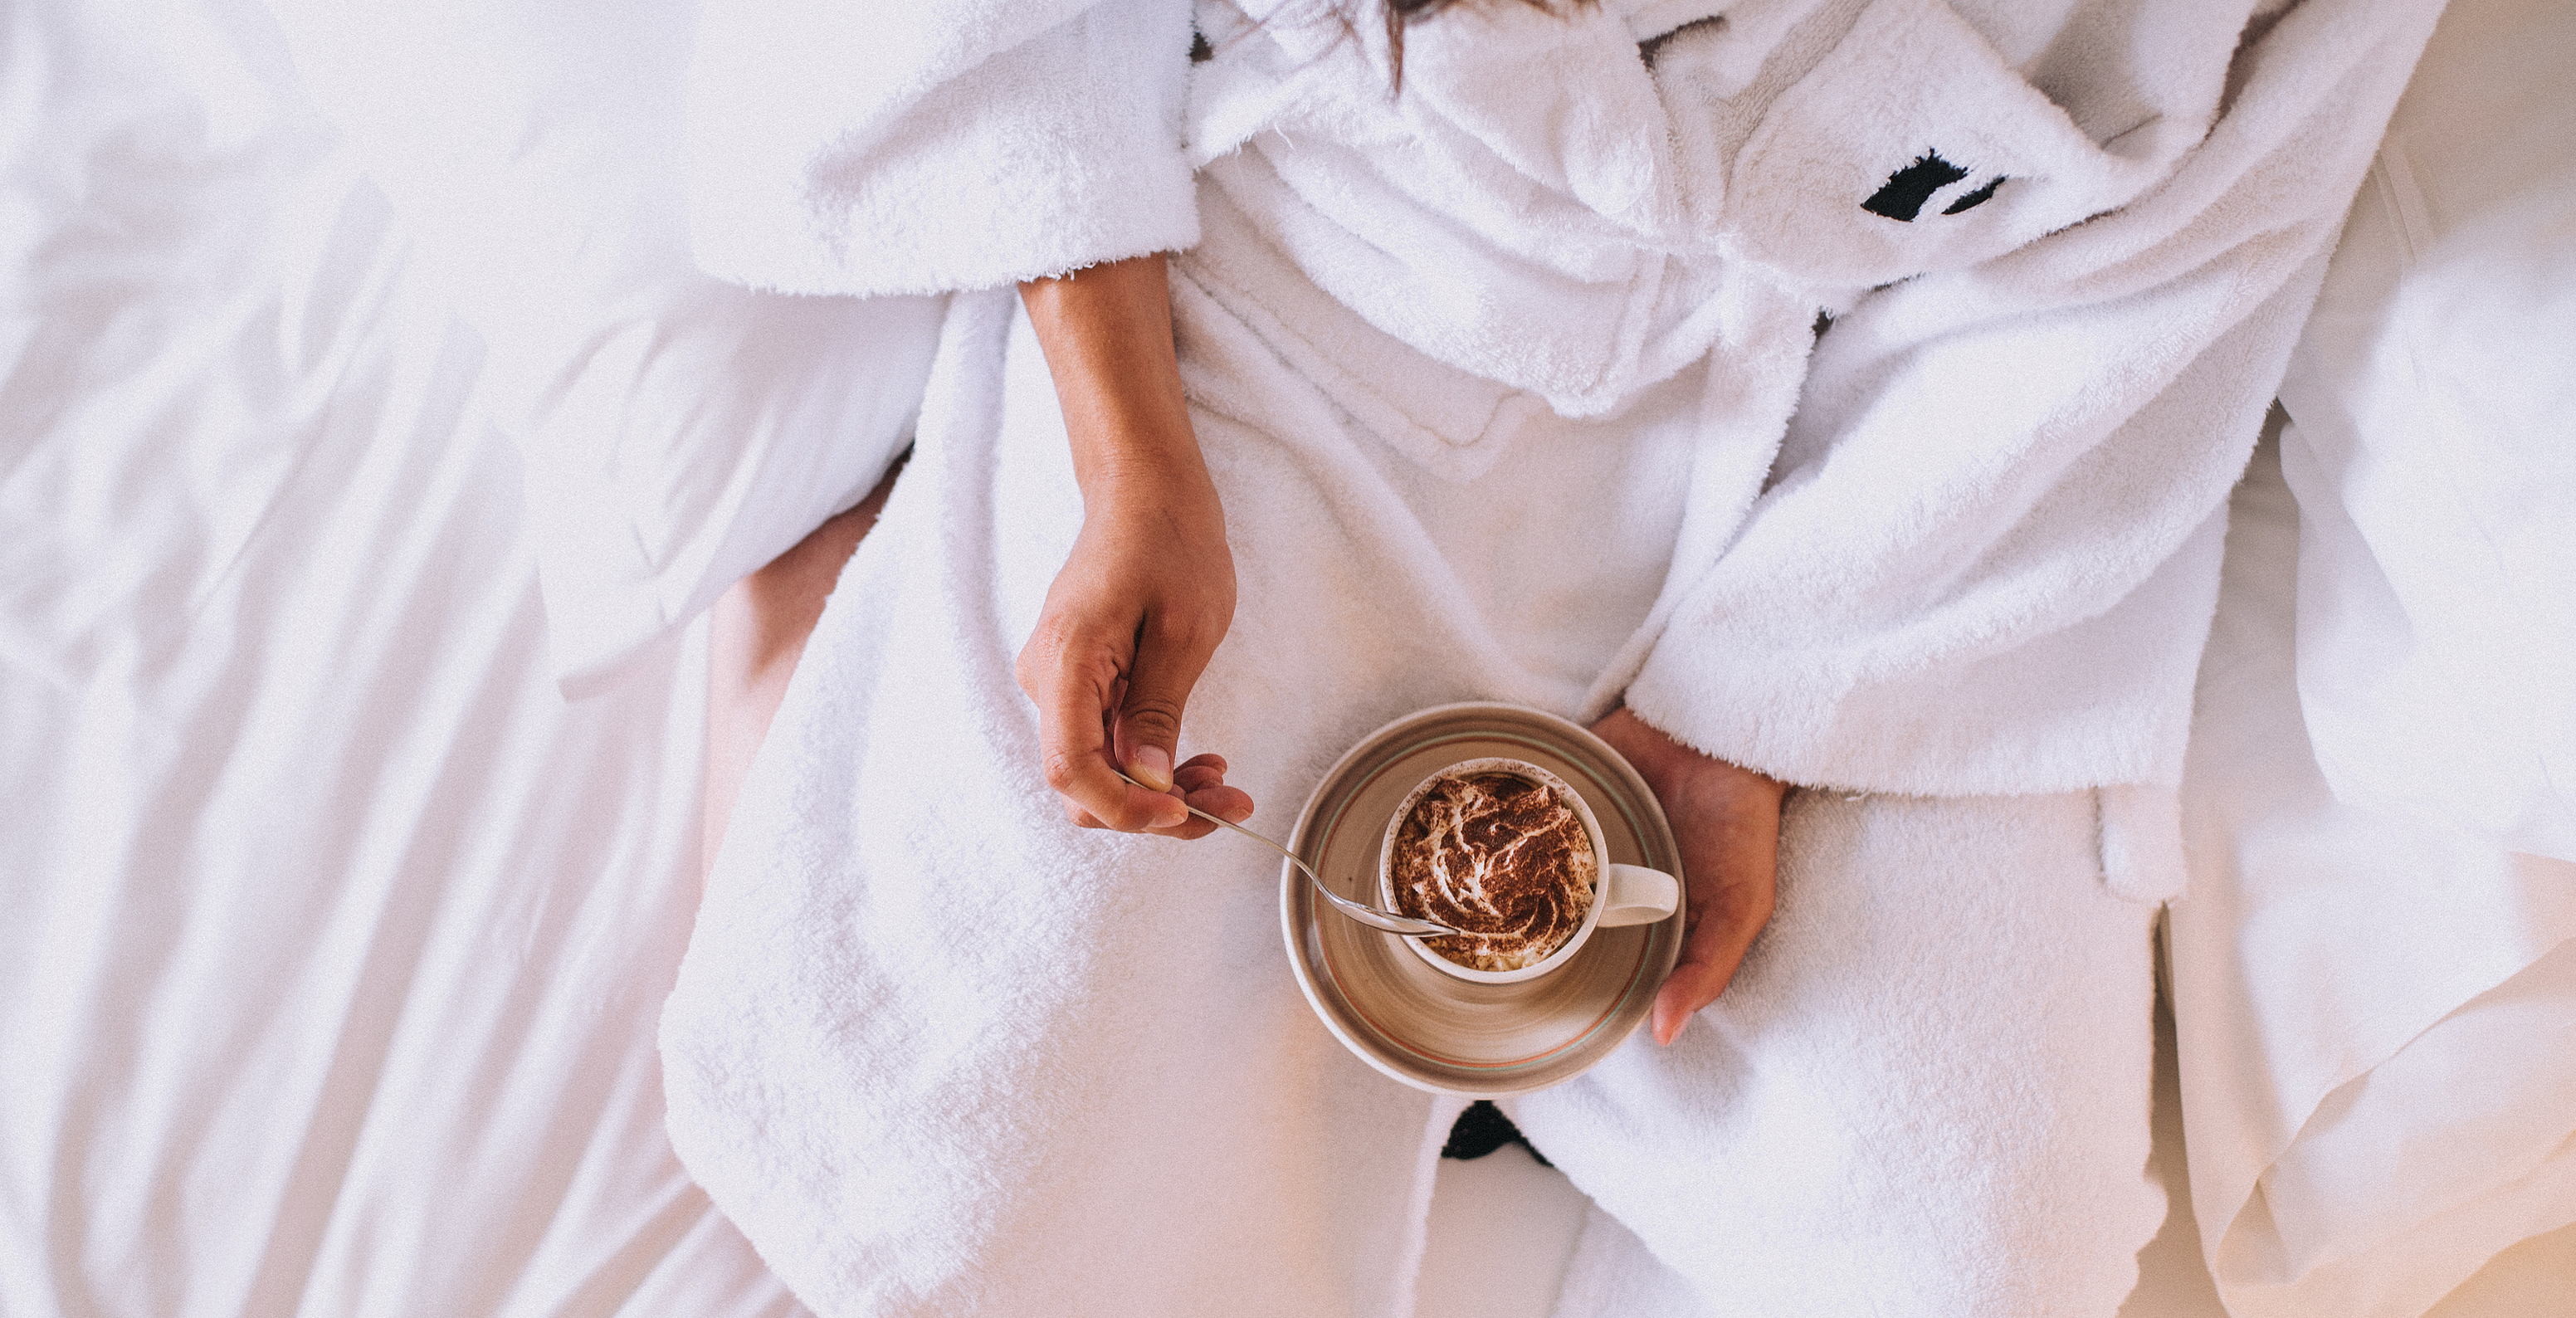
[(756, 633)]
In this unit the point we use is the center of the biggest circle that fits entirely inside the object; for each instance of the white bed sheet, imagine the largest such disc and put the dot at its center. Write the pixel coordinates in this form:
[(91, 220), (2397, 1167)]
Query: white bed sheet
[(2375, 966), (334, 939), (2375, 1069)]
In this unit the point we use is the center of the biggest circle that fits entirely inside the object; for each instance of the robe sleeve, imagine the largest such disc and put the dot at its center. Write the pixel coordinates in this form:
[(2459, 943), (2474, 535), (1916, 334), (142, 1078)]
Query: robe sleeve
[(870, 149), (1988, 553)]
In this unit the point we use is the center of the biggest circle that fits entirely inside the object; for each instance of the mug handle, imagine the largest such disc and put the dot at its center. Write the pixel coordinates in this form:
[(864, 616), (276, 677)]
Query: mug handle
[(1635, 894)]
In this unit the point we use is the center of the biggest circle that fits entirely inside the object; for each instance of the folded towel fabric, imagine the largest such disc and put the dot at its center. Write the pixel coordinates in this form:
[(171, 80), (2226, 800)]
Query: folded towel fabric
[(2065, 254), (1497, 378), (940, 1053)]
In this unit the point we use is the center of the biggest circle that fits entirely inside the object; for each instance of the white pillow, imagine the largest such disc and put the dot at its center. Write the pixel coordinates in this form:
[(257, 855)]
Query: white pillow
[(691, 440), (2433, 448), (679, 431)]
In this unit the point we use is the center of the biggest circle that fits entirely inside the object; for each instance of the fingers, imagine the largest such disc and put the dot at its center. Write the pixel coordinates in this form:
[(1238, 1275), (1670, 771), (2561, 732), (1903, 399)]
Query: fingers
[(1731, 852), (1711, 952), (1071, 683), (1201, 783), (1231, 804), (1170, 655), (1200, 773), (1727, 820)]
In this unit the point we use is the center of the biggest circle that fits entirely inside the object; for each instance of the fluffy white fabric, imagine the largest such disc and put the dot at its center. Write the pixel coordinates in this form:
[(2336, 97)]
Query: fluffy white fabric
[(917, 148), (922, 1037), (1985, 559), (1948, 1015), (2435, 452), (1612, 1272), (1492, 378), (917, 1044), (1989, 547), (2142, 852)]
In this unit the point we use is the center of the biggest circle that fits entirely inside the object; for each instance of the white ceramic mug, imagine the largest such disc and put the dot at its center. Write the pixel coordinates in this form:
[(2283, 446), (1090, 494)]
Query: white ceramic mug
[(1621, 894)]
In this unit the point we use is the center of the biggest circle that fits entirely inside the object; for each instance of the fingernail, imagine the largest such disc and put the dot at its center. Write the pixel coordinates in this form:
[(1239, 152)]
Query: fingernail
[(1171, 816), (1152, 766)]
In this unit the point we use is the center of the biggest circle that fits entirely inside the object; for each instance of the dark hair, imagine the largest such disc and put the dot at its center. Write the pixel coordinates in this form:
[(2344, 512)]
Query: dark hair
[(1401, 14)]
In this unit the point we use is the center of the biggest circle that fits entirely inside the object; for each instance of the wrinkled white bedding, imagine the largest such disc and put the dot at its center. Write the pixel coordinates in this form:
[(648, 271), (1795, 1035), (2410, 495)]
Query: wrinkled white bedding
[(332, 939), (2375, 968)]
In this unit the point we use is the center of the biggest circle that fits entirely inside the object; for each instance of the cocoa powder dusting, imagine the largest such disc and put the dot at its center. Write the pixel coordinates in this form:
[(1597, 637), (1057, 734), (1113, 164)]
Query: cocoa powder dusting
[(1500, 857)]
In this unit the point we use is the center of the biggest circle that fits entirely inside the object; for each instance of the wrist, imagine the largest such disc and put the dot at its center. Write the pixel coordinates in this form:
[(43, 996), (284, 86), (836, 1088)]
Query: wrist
[(1174, 489), (1140, 463), (1107, 335)]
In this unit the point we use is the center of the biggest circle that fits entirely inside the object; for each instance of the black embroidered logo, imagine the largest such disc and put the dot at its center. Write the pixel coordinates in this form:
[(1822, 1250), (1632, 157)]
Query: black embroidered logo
[(1971, 200), (1905, 191)]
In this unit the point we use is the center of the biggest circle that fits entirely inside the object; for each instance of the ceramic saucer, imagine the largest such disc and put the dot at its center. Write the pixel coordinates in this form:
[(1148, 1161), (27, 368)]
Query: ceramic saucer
[(1423, 1027)]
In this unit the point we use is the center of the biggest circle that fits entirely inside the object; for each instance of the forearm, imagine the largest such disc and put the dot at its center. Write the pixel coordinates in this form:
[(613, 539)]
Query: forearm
[(1148, 591), (1107, 335)]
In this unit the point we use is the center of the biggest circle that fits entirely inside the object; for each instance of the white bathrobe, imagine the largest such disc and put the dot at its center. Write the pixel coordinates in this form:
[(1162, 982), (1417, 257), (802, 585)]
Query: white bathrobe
[(1497, 379)]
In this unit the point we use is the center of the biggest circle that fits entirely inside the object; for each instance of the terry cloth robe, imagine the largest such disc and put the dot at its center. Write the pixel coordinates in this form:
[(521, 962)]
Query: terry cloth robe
[(1852, 388)]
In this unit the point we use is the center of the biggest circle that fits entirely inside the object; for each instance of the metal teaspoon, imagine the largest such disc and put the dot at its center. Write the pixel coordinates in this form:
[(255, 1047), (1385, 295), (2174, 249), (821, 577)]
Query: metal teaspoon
[(1365, 914)]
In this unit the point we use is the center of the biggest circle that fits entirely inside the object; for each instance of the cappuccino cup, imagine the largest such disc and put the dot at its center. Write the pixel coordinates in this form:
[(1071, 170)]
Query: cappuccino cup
[(1508, 853)]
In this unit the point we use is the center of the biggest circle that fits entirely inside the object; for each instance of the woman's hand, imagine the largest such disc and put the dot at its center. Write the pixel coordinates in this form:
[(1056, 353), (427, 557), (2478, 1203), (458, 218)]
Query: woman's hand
[(1727, 820), (1148, 590), (1128, 626)]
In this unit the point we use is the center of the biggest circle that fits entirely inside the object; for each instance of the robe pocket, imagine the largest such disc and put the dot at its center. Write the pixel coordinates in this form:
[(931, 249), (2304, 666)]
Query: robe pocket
[(1910, 148)]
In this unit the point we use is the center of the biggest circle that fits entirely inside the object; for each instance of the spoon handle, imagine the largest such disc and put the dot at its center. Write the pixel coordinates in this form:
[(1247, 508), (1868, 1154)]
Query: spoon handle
[(1360, 911), (1293, 858)]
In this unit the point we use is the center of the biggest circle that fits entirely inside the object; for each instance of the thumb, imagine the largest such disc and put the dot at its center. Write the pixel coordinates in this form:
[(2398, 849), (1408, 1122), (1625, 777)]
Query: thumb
[(1149, 731), (1149, 717)]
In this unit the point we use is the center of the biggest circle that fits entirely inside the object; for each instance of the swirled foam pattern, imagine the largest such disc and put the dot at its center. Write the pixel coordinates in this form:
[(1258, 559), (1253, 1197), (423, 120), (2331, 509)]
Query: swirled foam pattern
[(1500, 857)]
